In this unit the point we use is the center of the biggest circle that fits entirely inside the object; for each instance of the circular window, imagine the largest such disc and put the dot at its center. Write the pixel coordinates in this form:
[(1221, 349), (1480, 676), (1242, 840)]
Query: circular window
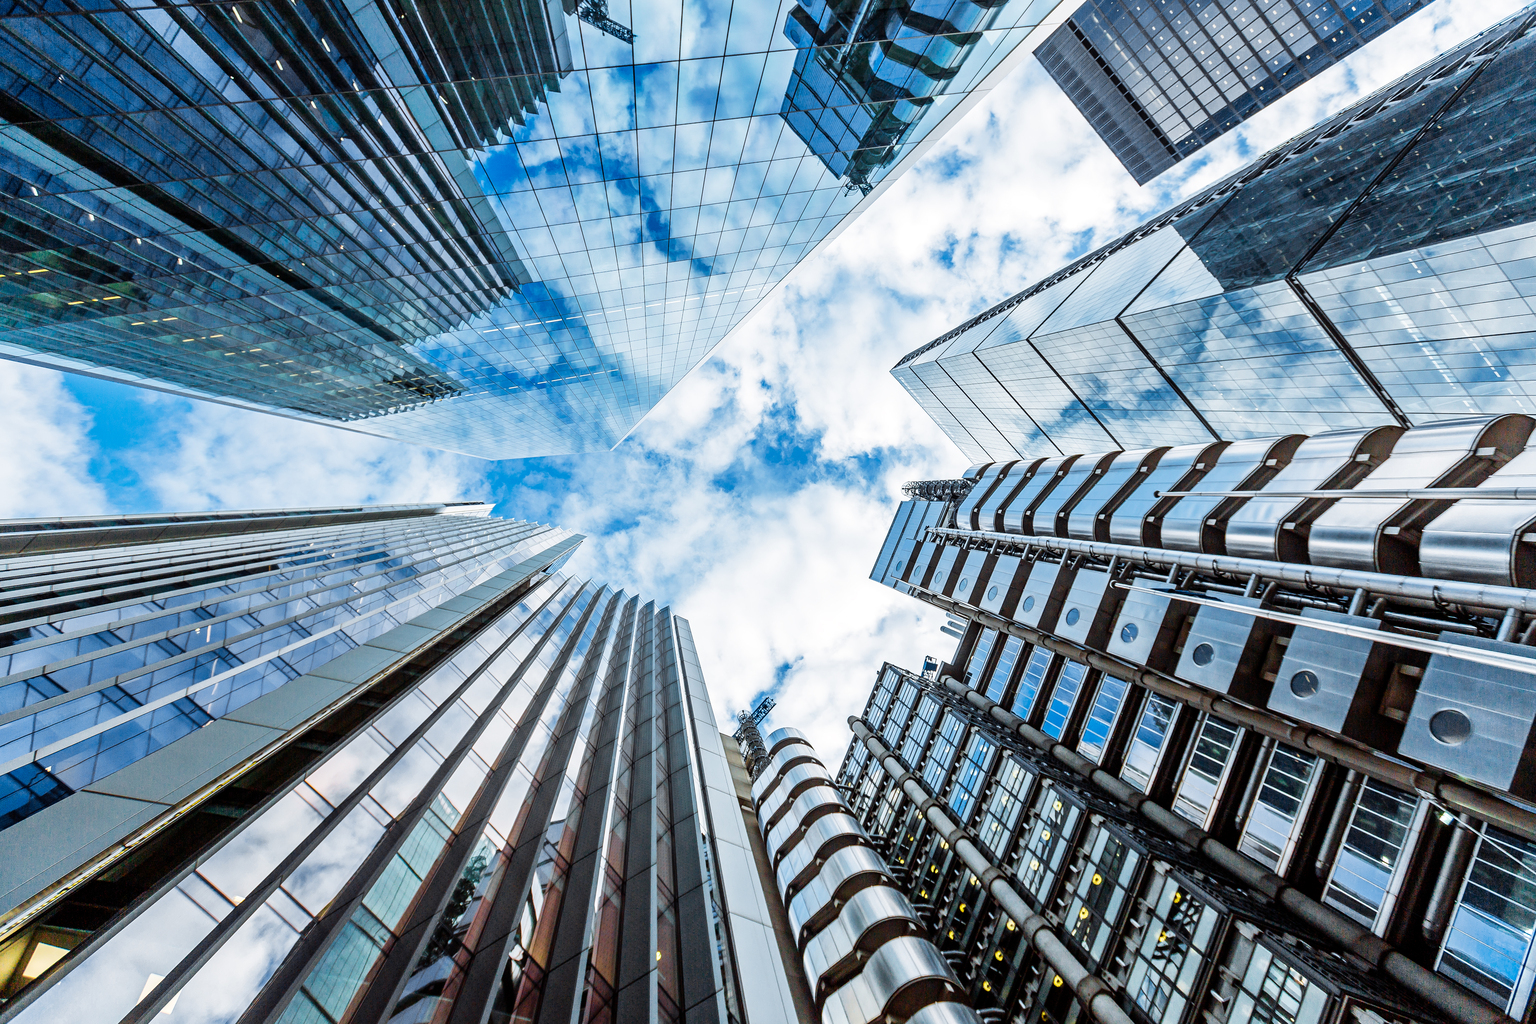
[(1304, 683), (964, 582), (1450, 727), (1072, 616), (1128, 632), (899, 565), (938, 578), (1203, 654), (992, 593), (1029, 603)]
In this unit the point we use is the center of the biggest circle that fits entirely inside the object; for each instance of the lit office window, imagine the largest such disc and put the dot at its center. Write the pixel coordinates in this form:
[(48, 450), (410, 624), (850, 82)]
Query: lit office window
[(1048, 840), (1029, 683), (1101, 720), (1207, 770), (1278, 807), (970, 776), (1147, 743), (1488, 945), (979, 655), (1367, 873), (1273, 992), (1068, 685), (1000, 814), (1102, 891), (997, 682), (1171, 952)]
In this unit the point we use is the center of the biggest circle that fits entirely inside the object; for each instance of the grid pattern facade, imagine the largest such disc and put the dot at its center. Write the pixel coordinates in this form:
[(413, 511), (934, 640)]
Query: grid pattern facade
[(502, 797), (1158, 81), (1175, 938), (1371, 271), (505, 229)]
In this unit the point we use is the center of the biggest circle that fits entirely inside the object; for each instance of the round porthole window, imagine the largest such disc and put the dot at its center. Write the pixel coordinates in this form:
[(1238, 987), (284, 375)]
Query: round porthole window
[(1128, 632), (1304, 684), (938, 578), (1450, 727), (964, 582), (1072, 616), (1029, 603), (1203, 654), (992, 592), (899, 565)]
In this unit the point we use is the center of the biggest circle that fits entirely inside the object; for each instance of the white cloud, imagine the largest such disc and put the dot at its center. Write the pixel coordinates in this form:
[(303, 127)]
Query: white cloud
[(213, 456), (45, 462)]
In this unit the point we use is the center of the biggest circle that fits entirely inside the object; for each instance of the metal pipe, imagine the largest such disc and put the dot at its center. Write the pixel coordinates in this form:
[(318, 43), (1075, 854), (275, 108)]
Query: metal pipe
[(1453, 867), (1433, 493), (1092, 993), (1493, 808), (1440, 992), (1413, 588), (1497, 659), (1334, 837)]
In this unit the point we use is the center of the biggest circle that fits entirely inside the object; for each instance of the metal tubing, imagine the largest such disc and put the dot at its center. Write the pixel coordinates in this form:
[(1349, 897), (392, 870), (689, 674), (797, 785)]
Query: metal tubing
[(1434, 493), (1092, 993), (1412, 588), (1457, 796), (1442, 993), (1453, 866)]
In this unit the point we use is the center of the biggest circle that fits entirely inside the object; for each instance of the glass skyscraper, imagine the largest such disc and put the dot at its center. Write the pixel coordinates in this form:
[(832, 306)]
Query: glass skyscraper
[(1372, 271), (1159, 80), (362, 764), (505, 229)]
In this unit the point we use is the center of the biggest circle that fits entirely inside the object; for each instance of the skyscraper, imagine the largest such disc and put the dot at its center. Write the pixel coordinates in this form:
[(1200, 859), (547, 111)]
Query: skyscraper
[(361, 764), (505, 229), (1158, 81), (1372, 271), (1244, 729)]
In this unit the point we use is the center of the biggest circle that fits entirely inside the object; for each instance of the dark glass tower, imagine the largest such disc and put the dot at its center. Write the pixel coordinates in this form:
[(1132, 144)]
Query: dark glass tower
[(1372, 271), (362, 764), (504, 228), (1158, 80)]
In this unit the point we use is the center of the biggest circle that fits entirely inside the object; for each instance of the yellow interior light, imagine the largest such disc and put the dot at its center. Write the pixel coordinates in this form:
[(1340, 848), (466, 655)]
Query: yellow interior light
[(1097, 878), (44, 955)]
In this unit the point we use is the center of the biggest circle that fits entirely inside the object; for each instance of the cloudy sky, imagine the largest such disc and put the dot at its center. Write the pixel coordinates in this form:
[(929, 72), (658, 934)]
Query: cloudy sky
[(754, 498)]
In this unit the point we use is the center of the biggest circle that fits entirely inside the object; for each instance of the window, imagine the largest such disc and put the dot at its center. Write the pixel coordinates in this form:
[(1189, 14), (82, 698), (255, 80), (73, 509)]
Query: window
[(1368, 870), (1488, 945), (1281, 801), (979, 654), (1047, 842), (1273, 992), (920, 730), (1102, 891), (971, 776), (1068, 685), (936, 767), (1147, 743), (1171, 950), (997, 682), (896, 723), (1001, 813), (1029, 684), (1101, 720), (1207, 770)]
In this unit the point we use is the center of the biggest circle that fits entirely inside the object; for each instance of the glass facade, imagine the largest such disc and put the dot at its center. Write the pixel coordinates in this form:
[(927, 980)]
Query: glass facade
[(362, 764), (505, 229), (1370, 271), (1158, 81)]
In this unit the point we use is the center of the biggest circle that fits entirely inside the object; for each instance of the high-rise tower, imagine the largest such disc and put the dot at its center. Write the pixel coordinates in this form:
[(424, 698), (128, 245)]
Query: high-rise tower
[(1158, 81), (505, 228), (361, 764), (1372, 271), (1245, 729)]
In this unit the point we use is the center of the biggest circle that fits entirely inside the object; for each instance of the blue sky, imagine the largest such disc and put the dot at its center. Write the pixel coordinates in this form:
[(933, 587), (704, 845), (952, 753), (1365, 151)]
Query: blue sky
[(755, 496)]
